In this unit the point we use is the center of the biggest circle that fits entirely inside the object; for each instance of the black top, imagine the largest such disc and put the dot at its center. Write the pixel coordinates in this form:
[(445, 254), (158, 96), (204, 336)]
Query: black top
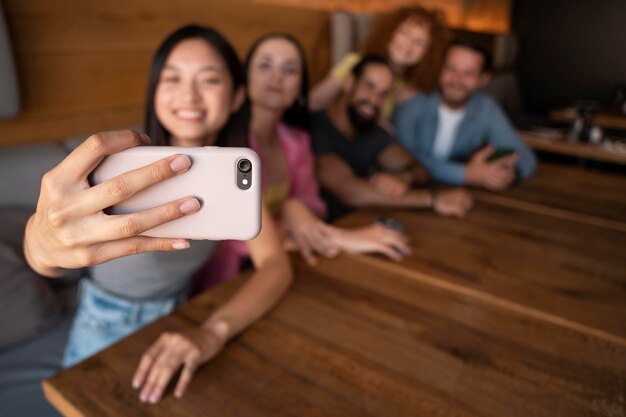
[(360, 153)]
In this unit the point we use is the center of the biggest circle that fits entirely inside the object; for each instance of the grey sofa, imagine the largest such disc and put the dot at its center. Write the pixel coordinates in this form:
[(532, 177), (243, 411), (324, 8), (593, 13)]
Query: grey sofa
[(37, 311)]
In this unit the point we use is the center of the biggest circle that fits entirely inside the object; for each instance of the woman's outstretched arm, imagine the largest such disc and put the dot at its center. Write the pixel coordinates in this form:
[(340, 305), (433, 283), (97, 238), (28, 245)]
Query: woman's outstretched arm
[(192, 348)]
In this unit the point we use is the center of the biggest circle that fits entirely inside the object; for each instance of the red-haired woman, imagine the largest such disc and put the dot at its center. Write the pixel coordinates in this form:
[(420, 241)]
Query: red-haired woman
[(412, 39)]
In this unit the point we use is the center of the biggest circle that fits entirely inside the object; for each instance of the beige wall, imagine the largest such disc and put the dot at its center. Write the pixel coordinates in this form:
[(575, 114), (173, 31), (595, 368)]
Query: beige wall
[(83, 64)]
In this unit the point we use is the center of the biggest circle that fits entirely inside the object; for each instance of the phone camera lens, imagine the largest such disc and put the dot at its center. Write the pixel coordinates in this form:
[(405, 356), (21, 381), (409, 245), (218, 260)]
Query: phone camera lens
[(244, 165)]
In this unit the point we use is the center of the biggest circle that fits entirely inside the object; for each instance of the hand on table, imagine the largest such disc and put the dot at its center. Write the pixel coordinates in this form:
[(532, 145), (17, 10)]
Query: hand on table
[(387, 184), (455, 202), (187, 349), (69, 228), (375, 238), (496, 175), (305, 231)]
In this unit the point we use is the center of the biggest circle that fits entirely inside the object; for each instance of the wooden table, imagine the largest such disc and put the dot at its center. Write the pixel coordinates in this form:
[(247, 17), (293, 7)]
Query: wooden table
[(562, 271), (592, 197), (509, 312), (578, 149), (350, 340)]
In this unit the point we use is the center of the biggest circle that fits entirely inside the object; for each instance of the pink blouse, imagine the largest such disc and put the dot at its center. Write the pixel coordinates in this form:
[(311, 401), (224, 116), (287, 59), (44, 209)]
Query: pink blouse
[(229, 255)]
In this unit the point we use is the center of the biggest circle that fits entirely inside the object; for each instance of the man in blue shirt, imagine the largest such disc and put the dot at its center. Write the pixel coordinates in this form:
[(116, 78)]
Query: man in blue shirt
[(460, 134)]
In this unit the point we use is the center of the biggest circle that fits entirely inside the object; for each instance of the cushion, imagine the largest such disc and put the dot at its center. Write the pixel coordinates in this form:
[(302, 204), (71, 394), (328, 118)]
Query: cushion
[(21, 169), (24, 366), (28, 305), (9, 92)]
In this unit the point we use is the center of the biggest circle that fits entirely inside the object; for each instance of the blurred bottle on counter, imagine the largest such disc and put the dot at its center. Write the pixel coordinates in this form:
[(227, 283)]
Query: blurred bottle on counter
[(582, 128), (618, 98)]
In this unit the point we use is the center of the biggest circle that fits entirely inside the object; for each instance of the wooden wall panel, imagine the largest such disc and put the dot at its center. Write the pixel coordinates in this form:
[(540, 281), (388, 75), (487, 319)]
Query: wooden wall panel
[(71, 83), (83, 64)]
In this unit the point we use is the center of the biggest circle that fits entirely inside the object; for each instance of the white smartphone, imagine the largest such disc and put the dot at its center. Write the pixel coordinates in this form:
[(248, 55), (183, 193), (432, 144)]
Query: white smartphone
[(227, 181)]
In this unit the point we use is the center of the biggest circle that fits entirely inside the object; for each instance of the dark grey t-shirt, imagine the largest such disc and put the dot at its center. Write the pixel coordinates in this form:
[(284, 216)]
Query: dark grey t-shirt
[(360, 153)]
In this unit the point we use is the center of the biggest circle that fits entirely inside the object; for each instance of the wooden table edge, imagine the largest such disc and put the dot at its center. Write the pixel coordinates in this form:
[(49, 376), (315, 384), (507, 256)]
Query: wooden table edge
[(62, 404), (546, 210)]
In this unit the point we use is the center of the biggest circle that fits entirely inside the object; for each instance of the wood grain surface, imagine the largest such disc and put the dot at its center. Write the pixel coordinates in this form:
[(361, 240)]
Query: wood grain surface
[(508, 312), (349, 340), (595, 197), (566, 269)]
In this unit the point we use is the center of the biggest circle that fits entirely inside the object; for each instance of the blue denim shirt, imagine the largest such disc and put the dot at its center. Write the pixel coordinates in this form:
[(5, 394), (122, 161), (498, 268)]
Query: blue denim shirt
[(484, 123)]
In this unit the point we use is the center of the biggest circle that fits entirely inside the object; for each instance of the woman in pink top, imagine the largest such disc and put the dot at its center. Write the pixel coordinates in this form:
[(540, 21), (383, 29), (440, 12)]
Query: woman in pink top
[(276, 119)]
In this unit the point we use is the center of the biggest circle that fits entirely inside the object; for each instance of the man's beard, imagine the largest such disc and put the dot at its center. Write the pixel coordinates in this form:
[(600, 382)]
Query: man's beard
[(456, 101), (360, 123)]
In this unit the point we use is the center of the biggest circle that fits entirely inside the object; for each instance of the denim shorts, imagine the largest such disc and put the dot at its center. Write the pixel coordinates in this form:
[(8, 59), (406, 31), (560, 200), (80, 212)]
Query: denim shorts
[(103, 318)]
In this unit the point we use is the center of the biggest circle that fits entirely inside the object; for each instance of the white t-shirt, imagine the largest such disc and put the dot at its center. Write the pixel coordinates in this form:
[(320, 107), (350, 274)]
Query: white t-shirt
[(449, 121)]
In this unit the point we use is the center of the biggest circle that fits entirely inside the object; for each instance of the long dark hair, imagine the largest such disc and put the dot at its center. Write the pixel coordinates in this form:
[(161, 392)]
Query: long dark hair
[(153, 127), (298, 114)]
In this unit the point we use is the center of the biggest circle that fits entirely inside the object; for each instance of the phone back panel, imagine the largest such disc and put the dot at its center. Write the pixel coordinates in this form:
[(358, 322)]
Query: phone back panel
[(227, 211)]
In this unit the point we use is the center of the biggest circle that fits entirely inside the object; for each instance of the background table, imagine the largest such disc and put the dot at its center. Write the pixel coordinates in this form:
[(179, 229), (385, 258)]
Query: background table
[(606, 118), (562, 146)]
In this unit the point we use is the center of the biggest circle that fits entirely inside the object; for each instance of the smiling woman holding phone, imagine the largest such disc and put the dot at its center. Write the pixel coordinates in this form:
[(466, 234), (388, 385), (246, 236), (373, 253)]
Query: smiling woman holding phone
[(196, 84)]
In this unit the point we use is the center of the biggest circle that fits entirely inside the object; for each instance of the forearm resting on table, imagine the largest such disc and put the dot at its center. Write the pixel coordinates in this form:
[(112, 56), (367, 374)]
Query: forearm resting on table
[(359, 193), (416, 174), (398, 161), (257, 296)]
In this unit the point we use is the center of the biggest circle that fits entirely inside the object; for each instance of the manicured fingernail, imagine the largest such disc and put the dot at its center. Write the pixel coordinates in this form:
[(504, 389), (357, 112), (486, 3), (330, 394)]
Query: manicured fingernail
[(179, 245), (190, 206), (143, 397), (136, 380), (154, 398), (180, 163), (145, 138)]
